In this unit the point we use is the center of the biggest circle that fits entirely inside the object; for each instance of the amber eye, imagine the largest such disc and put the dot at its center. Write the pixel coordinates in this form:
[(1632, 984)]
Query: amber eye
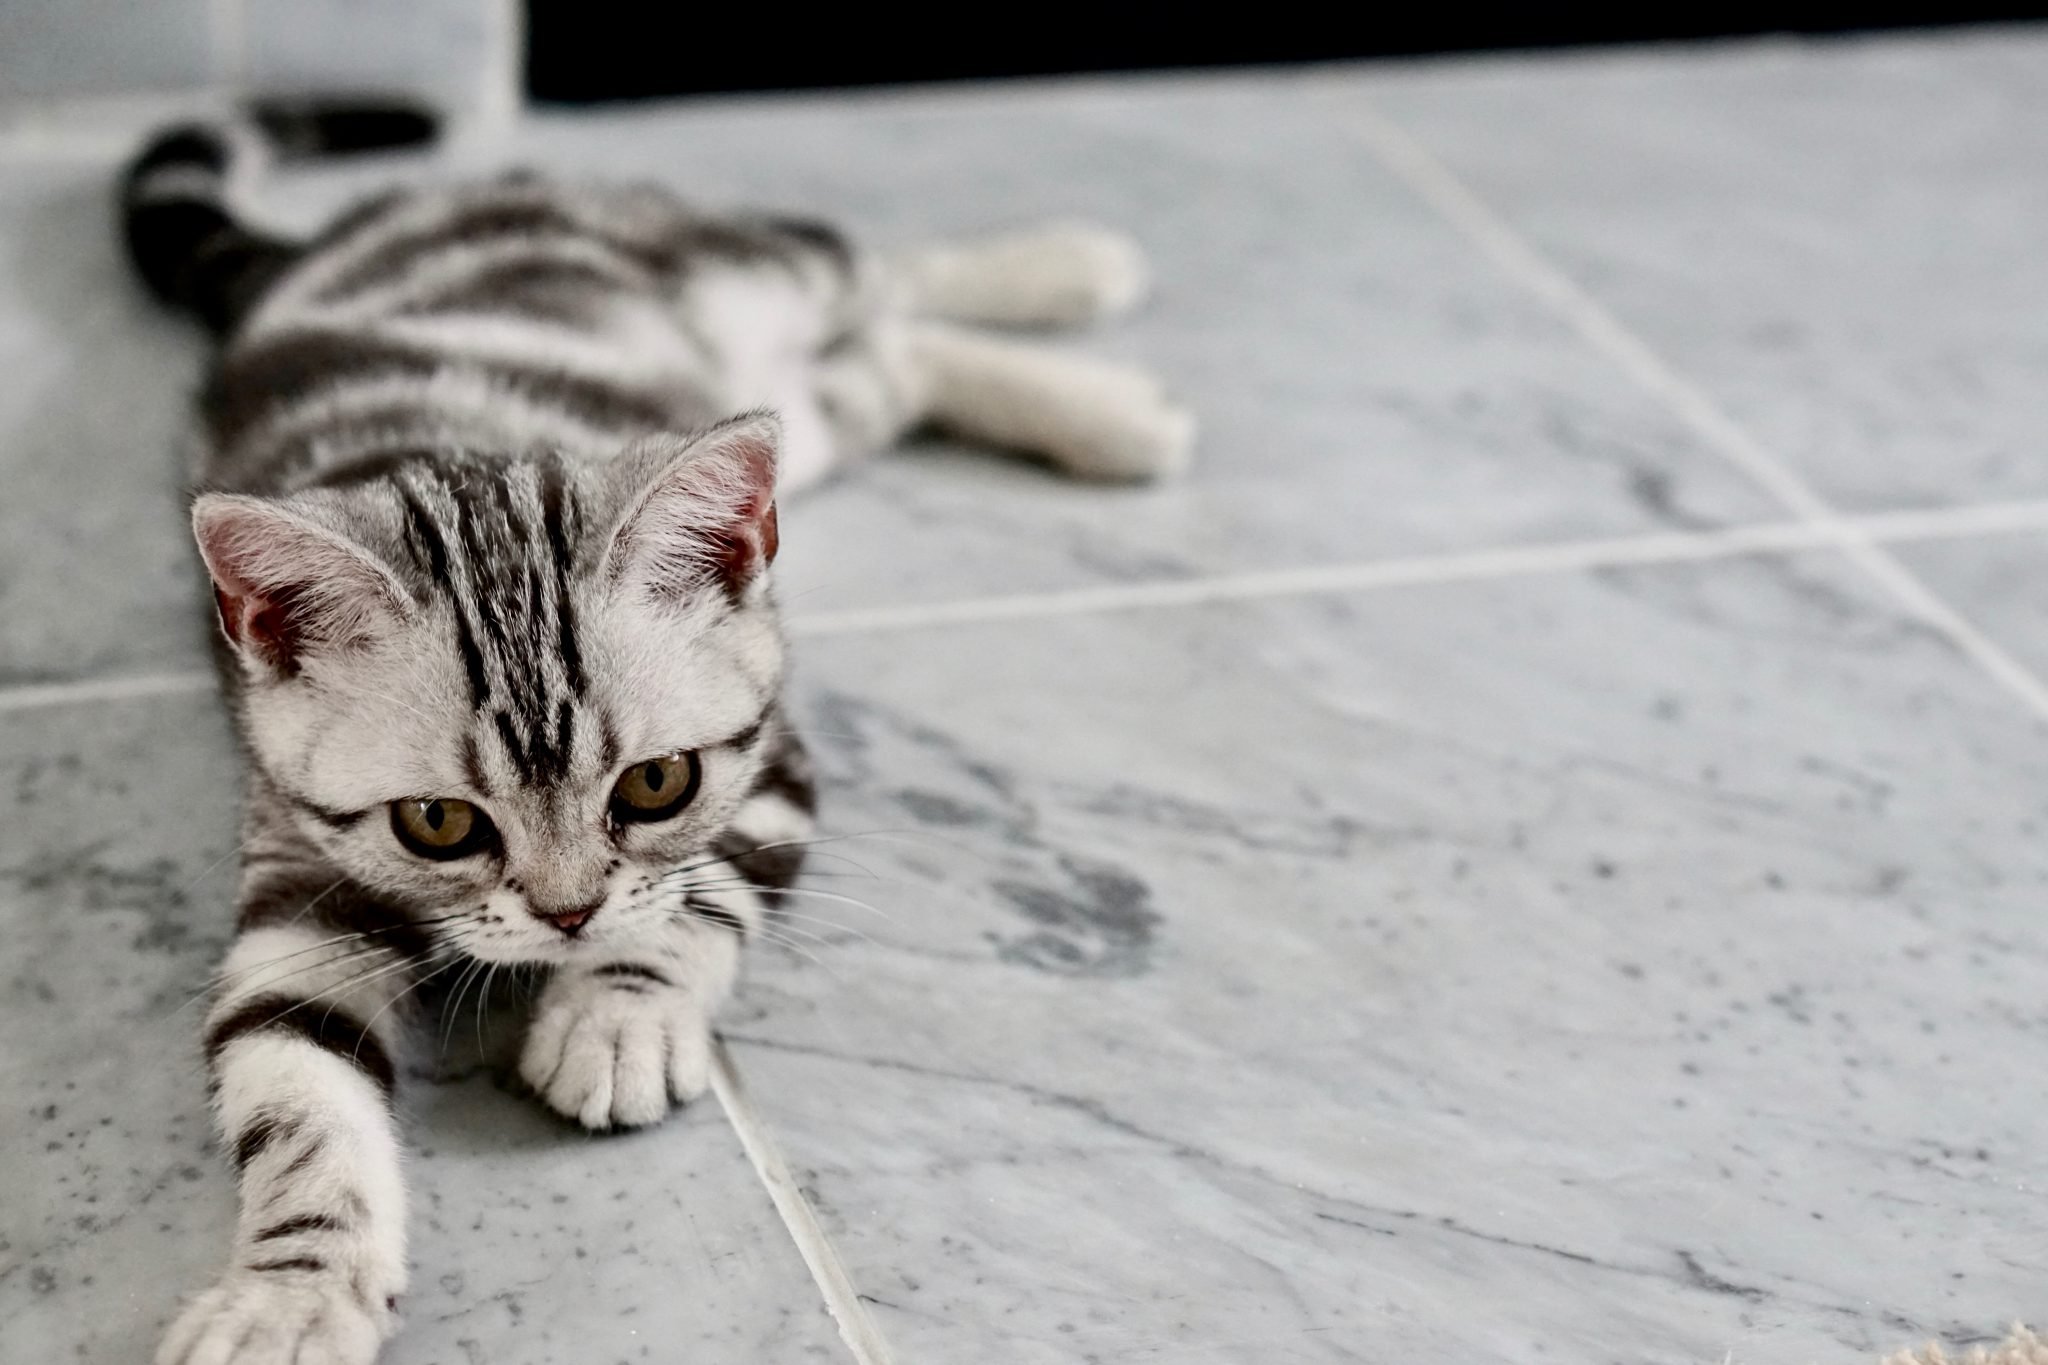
[(655, 788), (441, 827)]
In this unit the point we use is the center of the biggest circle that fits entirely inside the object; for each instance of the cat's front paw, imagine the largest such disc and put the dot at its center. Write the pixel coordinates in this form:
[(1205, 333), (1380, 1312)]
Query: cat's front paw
[(613, 1050), (278, 1317)]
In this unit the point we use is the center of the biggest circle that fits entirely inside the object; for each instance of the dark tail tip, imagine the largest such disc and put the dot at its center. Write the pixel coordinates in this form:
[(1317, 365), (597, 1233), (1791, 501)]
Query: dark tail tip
[(181, 232), (320, 126)]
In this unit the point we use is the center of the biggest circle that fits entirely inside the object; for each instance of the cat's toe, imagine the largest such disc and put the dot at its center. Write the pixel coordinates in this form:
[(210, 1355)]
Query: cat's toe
[(257, 1317), (618, 1061)]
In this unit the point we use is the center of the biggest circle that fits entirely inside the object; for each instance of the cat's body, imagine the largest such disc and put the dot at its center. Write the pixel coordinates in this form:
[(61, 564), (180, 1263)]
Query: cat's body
[(489, 495)]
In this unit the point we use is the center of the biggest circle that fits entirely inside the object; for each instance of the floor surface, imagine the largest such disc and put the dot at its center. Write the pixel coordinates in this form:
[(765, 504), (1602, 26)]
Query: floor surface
[(1532, 852)]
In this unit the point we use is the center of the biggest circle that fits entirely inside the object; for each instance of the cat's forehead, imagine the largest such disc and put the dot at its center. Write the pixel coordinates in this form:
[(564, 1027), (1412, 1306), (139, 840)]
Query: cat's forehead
[(526, 669)]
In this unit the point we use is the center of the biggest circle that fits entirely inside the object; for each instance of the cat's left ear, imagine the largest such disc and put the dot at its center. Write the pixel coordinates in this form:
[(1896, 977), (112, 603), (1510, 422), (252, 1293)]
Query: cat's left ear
[(287, 586), (704, 511)]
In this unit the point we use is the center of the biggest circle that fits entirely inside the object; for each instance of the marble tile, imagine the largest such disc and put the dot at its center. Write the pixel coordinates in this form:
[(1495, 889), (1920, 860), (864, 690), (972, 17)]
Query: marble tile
[(1636, 966), (532, 1241), (74, 47), (1996, 582), (1368, 388), (95, 573), (1839, 240)]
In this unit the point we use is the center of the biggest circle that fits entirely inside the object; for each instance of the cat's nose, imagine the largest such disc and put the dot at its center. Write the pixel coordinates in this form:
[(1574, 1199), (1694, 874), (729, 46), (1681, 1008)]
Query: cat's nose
[(570, 922)]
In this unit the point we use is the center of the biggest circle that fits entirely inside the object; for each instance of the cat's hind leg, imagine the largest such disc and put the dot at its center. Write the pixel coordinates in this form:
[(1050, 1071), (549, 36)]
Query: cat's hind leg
[(1059, 275), (1091, 417)]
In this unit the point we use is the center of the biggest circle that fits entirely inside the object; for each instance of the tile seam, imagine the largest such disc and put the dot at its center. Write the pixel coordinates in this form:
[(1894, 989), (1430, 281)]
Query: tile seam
[(1490, 233), (1500, 563)]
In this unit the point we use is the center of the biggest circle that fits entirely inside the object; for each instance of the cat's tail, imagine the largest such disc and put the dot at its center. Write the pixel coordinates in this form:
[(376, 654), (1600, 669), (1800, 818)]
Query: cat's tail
[(184, 237)]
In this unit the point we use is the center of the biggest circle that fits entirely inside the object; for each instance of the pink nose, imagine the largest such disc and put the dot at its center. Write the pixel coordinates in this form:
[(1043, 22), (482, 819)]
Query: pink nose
[(570, 922)]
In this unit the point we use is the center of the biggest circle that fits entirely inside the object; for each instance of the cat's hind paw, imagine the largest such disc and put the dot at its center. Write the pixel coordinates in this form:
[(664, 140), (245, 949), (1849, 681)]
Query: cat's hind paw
[(1059, 275), (280, 1316), (615, 1050)]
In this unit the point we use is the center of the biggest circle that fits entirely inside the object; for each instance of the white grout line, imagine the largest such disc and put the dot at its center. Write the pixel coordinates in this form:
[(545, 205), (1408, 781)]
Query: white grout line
[(133, 687), (1422, 570), (842, 1300), (1437, 186), (1463, 566)]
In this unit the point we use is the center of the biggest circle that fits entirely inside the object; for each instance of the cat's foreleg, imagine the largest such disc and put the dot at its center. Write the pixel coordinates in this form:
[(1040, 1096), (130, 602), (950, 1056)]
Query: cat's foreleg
[(300, 1042), (615, 1041)]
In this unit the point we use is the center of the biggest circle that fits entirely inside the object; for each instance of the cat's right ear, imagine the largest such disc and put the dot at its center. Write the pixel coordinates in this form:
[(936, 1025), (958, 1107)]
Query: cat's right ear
[(285, 586)]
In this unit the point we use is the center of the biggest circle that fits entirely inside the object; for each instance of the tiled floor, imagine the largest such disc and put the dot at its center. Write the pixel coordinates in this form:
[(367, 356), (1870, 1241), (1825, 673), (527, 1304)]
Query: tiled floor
[(1531, 853)]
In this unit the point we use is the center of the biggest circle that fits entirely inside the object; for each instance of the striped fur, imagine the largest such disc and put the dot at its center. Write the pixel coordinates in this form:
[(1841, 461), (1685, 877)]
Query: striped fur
[(489, 483)]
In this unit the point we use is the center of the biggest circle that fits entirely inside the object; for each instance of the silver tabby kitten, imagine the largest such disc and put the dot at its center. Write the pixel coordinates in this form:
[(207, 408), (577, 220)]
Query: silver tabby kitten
[(490, 483)]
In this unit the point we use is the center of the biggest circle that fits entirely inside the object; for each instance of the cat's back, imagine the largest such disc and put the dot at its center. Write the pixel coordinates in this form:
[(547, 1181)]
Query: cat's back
[(499, 316)]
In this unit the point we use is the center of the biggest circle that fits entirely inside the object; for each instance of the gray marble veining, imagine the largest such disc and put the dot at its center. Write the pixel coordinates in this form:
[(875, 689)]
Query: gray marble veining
[(1839, 240), (1631, 965), (95, 573), (1636, 966), (1368, 387)]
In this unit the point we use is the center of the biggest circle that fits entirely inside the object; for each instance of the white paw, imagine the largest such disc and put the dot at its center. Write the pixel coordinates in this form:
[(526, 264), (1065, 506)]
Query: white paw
[(1081, 272), (1153, 441), (613, 1052), (1120, 425), (278, 1317), (1055, 276)]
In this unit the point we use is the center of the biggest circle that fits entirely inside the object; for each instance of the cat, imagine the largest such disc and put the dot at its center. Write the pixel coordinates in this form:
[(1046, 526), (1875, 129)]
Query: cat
[(488, 481)]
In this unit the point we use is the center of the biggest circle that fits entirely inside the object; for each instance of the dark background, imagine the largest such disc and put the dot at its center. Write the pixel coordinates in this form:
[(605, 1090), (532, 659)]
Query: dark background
[(606, 50)]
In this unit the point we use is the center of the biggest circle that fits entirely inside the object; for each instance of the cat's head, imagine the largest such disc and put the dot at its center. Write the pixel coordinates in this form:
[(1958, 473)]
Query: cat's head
[(513, 696)]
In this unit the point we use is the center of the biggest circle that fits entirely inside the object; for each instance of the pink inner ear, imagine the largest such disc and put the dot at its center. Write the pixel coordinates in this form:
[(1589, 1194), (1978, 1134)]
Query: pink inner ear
[(281, 584), (750, 546), (709, 515)]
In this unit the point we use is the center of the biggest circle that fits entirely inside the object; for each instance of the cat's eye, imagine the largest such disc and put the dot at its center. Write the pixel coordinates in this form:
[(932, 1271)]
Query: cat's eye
[(441, 827), (656, 788)]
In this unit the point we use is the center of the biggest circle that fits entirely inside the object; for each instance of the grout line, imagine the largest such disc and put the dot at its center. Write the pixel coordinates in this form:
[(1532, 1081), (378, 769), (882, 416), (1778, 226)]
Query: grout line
[(1418, 571), (1439, 187), (1422, 570), (842, 1300), (1464, 566), (132, 687)]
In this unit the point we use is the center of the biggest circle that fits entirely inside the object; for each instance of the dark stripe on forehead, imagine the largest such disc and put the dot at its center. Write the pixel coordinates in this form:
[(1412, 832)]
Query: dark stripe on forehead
[(508, 735), (512, 536), (555, 508), (431, 548)]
